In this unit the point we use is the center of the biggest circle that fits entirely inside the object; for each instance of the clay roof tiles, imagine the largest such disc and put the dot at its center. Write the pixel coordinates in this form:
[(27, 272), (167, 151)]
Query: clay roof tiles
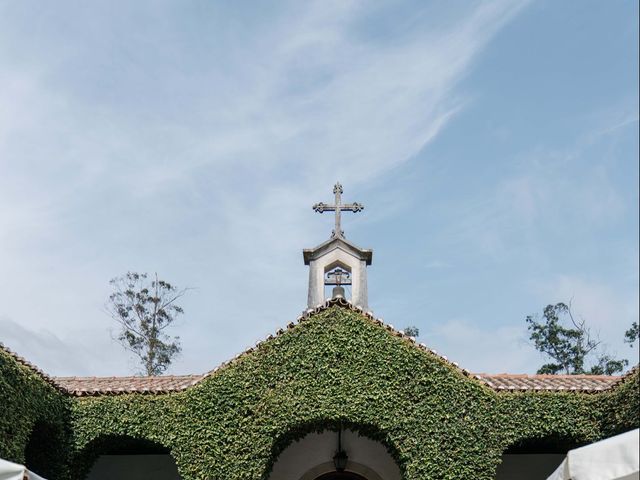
[(555, 383), (86, 386), (83, 386)]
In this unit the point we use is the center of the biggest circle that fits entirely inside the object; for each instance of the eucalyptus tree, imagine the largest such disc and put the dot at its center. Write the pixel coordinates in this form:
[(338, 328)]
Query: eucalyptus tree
[(569, 343), (144, 308)]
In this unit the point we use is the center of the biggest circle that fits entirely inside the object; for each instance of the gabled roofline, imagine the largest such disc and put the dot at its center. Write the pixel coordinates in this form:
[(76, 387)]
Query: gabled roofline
[(496, 382), (337, 242), (344, 303), (26, 363), (90, 386)]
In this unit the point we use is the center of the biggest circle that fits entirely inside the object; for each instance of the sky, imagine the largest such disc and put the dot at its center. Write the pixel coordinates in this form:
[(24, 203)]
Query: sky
[(494, 145)]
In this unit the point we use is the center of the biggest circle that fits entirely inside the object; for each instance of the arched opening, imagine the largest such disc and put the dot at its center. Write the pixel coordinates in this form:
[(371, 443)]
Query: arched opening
[(534, 458), (45, 452), (126, 458), (338, 278), (340, 476), (313, 455)]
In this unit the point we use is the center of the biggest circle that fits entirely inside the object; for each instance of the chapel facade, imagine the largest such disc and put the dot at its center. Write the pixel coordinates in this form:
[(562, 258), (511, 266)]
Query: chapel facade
[(335, 394)]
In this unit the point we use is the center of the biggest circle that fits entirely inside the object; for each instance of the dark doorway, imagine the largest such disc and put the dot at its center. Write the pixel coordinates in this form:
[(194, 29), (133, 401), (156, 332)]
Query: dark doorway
[(340, 476), (45, 451)]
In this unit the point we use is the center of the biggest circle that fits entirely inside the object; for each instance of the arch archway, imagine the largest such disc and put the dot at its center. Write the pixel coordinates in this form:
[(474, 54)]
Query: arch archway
[(309, 456), (126, 458), (535, 457), (45, 452), (340, 476)]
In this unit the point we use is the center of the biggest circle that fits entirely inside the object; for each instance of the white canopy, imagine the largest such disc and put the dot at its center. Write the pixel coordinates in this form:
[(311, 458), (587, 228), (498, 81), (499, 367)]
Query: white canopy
[(14, 471), (615, 458)]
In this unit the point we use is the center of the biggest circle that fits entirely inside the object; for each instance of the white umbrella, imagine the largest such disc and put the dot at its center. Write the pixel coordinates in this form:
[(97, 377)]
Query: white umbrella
[(15, 471), (615, 458)]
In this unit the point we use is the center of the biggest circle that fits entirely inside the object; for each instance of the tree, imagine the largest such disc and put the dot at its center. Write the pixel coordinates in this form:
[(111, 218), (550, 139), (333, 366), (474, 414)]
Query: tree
[(632, 335), (569, 348), (144, 309), (412, 331)]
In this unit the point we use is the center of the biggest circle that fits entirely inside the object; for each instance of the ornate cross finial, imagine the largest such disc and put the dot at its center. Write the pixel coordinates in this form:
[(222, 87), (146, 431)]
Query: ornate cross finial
[(338, 207), (337, 277)]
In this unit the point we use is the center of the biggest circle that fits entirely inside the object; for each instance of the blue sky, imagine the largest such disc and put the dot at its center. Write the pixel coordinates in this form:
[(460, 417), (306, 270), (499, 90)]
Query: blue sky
[(494, 145)]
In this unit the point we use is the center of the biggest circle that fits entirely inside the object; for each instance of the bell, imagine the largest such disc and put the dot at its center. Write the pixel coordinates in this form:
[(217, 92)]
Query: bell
[(338, 292)]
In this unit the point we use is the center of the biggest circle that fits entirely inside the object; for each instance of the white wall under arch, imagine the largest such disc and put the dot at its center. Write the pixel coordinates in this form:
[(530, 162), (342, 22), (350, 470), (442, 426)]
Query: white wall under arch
[(312, 456), (134, 467)]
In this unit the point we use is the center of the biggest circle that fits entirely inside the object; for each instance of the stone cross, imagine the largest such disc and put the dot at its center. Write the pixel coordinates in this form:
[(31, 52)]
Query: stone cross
[(338, 207)]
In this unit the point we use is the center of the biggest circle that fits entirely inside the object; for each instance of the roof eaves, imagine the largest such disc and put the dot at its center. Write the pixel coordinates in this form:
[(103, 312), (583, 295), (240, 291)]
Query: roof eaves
[(483, 379), (24, 362)]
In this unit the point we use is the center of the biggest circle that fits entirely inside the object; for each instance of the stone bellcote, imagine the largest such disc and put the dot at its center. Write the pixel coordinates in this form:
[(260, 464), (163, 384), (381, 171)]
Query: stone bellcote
[(337, 261)]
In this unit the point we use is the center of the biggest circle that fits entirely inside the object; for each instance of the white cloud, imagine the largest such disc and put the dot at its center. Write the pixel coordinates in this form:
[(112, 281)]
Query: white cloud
[(65, 353), (481, 349), (196, 164), (560, 193)]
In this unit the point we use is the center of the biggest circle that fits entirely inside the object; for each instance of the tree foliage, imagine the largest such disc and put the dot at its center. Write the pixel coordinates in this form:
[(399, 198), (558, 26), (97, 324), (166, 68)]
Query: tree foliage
[(144, 309), (570, 347), (412, 331), (632, 335)]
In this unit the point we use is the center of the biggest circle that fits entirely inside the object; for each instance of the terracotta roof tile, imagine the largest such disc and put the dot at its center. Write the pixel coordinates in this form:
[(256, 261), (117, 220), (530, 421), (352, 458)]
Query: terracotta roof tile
[(84, 386), (81, 386), (582, 383)]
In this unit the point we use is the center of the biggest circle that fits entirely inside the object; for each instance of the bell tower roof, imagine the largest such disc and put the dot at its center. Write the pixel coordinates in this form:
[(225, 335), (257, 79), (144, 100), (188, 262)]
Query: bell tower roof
[(337, 261), (341, 243)]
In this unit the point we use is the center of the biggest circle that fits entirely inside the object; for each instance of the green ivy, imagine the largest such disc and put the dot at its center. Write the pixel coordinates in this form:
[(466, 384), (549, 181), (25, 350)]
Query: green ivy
[(340, 368), (34, 427), (620, 408)]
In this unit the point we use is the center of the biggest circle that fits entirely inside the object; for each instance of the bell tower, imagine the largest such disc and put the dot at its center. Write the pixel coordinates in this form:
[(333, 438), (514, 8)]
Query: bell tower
[(338, 262)]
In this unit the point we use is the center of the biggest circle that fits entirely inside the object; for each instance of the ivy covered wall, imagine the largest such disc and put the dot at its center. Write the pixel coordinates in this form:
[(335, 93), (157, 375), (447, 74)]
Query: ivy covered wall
[(339, 367), (33, 419)]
